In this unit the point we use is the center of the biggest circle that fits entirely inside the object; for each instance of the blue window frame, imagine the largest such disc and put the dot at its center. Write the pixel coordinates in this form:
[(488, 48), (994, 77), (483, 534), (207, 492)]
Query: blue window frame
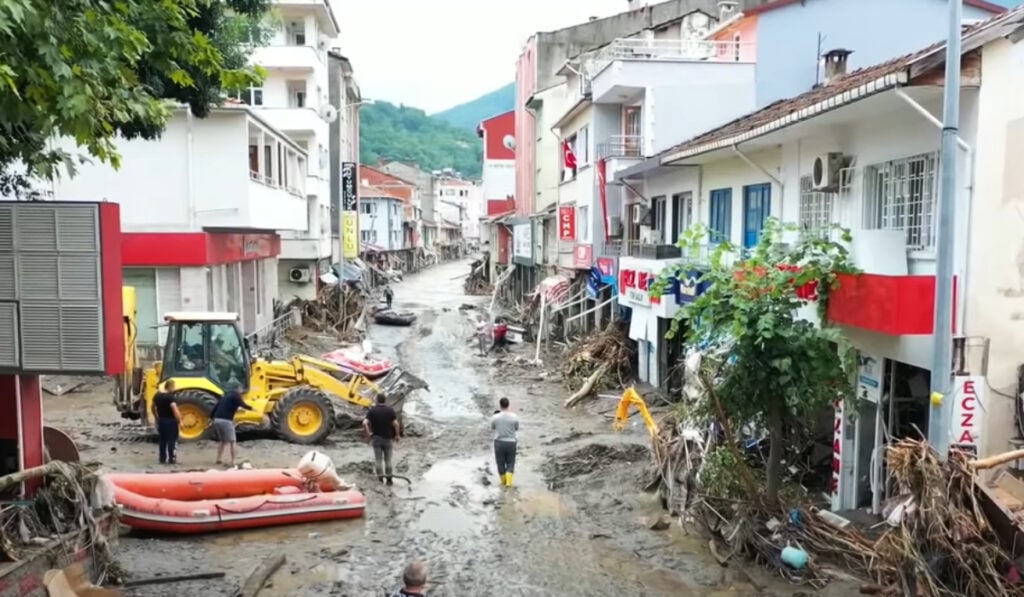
[(721, 215), (757, 206)]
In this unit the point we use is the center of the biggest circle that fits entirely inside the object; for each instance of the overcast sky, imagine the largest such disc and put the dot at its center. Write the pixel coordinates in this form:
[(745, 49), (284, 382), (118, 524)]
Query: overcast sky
[(434, 54)]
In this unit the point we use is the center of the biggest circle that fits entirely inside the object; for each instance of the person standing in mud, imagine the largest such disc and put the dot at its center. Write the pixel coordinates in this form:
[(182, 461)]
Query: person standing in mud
[(505, 425), (382, 427), (414, 581), (168, 423), (224, 423), (389, 295)]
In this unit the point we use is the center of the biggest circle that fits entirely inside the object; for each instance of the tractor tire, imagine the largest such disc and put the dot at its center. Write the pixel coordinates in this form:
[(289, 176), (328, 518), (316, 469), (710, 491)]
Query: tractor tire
[(196, 408), (303, 416)]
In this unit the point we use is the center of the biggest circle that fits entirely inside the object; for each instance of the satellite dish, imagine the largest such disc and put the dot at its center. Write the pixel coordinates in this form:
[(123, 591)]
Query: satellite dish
[(509, 142), (329, 113)]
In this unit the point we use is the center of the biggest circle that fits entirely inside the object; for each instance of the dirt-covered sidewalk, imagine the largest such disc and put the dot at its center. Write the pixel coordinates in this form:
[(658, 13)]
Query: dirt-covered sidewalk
[(575, 524)]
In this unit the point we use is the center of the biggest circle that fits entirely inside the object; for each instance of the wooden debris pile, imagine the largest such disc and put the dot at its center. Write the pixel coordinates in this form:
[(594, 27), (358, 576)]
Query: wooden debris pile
[(476, 283), (339, 308), (601, 360)]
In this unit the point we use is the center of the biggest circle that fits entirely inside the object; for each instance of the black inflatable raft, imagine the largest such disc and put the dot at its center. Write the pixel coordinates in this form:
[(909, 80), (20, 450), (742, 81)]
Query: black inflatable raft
[(388, 317)]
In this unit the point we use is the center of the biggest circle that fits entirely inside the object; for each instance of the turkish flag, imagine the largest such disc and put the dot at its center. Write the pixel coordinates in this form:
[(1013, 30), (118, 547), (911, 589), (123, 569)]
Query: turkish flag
[(570, 157)]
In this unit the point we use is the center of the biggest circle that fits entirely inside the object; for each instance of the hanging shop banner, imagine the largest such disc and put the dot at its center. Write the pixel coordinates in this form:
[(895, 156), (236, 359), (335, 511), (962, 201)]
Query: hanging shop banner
[(837, 454), (522, 243), (689, 285), (606, 266), (594, 283), (567, 222), (349, 190), (350, 234), (582, 256), (968, 410)]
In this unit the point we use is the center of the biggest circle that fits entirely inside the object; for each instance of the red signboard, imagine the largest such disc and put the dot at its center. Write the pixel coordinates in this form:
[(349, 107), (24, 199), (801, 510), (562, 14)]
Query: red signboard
[(634, 285), (567, 223), (195, 249), (893, 305), (582, 256)]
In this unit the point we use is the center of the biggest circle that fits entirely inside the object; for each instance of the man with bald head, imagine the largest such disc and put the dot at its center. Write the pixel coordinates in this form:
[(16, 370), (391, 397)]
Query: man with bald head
[(414, 581)]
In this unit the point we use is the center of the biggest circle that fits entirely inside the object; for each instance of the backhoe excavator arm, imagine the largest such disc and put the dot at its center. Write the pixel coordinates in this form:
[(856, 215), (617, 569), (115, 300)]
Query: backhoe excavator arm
[(630, 397), (128, 387)]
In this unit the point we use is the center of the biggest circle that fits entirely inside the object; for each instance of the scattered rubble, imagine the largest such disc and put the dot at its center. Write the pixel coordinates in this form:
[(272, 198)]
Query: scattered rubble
[(476, 283), (340, 308)]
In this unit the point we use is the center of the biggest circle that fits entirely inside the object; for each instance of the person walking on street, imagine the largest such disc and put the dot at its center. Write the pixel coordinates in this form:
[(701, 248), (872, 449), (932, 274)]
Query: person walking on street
[(224, 423), (414, 581), (168, 423), (389, 295), (505, 425), (382, 427)]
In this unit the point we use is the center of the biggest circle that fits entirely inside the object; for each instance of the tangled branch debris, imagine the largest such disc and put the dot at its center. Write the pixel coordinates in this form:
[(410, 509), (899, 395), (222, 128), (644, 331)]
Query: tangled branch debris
[(476, 284), (339, 308), (598, 361), (63, 511), (939, 542)]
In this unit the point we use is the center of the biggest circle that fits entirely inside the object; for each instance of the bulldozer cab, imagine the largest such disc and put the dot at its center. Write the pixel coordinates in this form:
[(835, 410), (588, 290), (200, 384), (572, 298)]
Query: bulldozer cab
[(207, 346)]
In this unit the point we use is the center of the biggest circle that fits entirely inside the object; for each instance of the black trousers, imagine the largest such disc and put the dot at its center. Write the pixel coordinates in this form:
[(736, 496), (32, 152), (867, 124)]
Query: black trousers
[(505, 455), (167, 429)]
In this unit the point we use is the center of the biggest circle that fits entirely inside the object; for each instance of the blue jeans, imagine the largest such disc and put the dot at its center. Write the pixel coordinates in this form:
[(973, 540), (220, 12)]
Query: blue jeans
[(167, 429)]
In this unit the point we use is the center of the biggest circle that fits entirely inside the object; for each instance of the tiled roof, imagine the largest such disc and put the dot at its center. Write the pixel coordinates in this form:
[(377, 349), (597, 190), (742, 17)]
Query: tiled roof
[(769, 6), (376, 193)]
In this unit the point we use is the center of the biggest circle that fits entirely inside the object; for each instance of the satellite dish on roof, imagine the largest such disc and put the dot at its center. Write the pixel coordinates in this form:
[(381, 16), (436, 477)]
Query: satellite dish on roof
[(509, 142), (329, 113)]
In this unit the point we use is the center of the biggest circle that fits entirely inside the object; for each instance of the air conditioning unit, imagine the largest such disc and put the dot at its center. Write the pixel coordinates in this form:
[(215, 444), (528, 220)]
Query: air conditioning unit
[(825, 171), (639, 214), (300, 275)]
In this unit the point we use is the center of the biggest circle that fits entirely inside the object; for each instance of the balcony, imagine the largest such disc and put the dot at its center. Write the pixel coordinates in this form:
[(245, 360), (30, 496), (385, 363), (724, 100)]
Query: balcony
[(622, 146), (624, 69), (303, 121), (299, 58)]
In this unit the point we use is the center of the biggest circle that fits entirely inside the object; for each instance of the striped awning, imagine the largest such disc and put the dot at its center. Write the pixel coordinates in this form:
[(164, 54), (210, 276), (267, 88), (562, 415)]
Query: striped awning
[(555, 289)]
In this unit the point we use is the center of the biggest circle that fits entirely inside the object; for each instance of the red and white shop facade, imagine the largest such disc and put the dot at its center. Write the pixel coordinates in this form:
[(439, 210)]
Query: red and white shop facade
[(201, 271)]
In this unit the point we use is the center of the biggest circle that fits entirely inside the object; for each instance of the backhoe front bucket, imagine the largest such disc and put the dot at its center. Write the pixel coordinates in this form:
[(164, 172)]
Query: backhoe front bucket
[(396, 386)]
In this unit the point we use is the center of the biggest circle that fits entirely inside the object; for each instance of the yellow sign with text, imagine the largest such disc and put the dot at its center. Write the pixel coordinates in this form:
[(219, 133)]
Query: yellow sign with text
[(350, 234)]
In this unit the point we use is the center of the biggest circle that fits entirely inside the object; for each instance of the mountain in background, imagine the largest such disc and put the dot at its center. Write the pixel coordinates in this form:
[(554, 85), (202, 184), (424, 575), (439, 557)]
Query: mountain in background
[(469, 114), (403, 133)]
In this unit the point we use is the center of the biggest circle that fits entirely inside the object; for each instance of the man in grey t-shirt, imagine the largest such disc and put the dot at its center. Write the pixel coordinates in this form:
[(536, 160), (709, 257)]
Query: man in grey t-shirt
[(505, 424)]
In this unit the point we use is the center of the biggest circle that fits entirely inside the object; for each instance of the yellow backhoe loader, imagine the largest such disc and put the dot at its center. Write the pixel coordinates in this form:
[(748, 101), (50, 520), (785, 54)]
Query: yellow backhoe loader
[(205, 353)]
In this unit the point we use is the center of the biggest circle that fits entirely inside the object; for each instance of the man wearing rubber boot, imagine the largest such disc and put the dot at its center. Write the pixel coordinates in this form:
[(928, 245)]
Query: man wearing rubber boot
[(382, 427), (505, 425)]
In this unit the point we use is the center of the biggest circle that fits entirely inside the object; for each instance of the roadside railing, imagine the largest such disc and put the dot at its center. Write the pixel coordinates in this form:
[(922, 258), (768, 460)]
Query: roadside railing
[(270, 336)]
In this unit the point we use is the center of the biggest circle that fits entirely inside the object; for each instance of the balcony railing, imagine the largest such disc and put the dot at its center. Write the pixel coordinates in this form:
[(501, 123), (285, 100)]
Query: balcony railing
[(622, 146), (676, 50)]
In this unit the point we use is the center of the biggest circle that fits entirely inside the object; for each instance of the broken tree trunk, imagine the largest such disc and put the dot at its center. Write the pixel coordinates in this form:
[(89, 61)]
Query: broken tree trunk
[(254, 584), (587, 387), (998, 459), (30, 473), (163, 580)]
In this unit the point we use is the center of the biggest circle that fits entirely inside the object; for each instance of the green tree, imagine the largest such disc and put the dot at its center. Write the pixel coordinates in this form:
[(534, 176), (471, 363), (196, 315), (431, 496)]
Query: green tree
[(778, 367), (92, 70), (408, 134)]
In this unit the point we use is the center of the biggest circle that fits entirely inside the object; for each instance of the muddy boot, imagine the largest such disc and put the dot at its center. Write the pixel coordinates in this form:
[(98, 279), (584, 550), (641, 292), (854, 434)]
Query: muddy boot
[(389, 481), (508, 479)]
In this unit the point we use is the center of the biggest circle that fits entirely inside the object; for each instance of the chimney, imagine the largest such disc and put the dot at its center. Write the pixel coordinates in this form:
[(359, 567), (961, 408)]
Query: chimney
[(726, 9), (835, 64)]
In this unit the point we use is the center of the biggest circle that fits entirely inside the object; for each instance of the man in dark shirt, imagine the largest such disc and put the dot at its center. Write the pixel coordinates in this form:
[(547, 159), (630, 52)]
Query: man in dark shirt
[(414, 581), (224, 422), (168, 422), (381, 426)]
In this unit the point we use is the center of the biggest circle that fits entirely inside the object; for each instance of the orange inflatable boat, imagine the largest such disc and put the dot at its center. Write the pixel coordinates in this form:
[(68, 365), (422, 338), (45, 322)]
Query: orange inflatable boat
[(203, 502)]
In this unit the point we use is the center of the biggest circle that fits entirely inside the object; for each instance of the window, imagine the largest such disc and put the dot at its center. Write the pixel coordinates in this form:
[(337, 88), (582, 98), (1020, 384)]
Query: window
[(583, 223), (682, 215), (296, 33), (570, 146), (583, 146), (367, 208), (252, 96), (658, 219), (228, 365), (736, 47), (368, 236), (901, 196), (721, 215), (815, 210)]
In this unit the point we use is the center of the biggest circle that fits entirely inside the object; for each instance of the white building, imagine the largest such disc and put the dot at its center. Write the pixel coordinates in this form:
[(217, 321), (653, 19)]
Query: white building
[(380, 220), (460, 203), (862, 152), (294, 98), (200, 208)]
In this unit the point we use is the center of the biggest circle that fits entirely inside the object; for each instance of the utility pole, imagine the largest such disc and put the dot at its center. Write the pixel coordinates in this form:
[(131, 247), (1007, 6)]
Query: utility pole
[(939, 424)]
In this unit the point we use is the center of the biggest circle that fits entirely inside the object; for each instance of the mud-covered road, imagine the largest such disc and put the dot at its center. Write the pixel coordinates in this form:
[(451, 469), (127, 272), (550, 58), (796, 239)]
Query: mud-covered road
[(575, 524)]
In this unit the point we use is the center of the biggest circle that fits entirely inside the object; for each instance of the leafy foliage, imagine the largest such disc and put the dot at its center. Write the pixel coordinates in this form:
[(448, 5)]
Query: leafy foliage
[(93, 69), (778, 365), (469, 114), (408, 134)]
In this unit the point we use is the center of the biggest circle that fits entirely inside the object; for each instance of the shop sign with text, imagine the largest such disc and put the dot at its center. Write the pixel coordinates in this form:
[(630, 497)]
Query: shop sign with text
[(968, 411), (350, 234), (606, 266), (567, 222), (634, 286), (689, 286), (582, 256)]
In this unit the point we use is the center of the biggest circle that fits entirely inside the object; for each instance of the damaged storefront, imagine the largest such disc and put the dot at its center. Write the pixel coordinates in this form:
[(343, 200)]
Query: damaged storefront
[(650, 317)]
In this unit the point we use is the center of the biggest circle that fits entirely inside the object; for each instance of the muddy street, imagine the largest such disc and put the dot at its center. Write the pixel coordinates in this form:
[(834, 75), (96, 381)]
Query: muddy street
[(576, 522)]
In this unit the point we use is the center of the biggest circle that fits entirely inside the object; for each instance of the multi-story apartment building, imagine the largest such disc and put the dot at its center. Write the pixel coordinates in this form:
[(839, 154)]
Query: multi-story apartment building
[(232, 212), (404, 191), (201, 209), (344, 147), (425, 196), (862, 151), (459, 203), (295, 99), (498, 187), (380, 220)]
